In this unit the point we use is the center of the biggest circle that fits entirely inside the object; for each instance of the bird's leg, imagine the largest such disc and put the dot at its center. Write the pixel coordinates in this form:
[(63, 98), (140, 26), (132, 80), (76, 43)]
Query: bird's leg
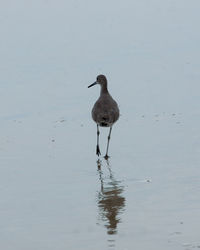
[(106, 156), (98, 150)]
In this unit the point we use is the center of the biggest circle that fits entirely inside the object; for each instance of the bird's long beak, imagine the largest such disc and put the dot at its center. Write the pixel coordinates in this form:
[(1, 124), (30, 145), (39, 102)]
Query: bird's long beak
[(92, 84)]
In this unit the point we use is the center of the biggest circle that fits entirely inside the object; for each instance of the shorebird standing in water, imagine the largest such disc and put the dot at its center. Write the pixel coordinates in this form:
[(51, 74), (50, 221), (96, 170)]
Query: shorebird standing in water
[(105, 111)]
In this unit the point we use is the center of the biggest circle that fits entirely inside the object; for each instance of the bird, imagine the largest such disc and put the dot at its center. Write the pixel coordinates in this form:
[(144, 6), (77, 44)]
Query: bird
[(105, 111)]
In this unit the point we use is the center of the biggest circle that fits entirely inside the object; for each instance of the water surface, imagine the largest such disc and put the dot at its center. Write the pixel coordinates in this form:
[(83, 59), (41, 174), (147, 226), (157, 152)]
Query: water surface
[(54, 193)]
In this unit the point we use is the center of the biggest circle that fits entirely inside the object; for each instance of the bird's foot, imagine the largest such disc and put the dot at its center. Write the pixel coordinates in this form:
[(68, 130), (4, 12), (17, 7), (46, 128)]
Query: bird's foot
[(98, 151), (106, 157)]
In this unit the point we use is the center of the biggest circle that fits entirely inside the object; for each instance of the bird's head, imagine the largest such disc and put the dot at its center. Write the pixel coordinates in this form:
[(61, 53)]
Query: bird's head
[(101, 79)]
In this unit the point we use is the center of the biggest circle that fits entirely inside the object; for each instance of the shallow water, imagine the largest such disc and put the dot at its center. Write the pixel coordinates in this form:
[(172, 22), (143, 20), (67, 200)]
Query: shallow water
[(55, 193)]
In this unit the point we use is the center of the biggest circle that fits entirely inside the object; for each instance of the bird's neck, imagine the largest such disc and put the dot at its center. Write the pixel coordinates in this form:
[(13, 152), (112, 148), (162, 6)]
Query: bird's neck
[(104, 89)]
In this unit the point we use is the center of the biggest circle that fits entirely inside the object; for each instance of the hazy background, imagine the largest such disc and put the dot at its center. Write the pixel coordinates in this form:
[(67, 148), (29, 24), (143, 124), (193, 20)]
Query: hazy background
[(51, 194)]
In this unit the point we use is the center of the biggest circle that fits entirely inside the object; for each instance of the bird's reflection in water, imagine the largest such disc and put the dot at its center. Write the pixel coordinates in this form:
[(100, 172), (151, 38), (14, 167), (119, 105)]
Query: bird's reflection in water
[(111, 202)]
